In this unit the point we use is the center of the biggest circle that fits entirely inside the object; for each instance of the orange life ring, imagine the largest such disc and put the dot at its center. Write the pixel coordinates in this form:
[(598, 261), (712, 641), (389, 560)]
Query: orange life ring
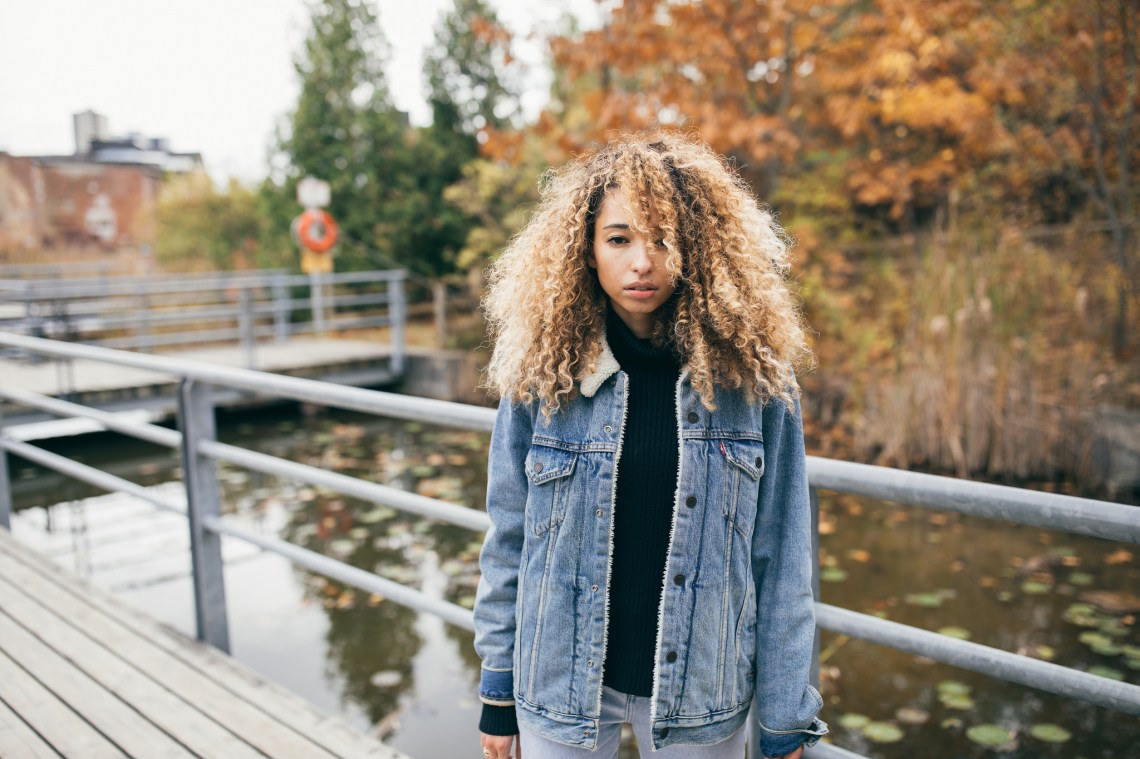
[(316, 230)]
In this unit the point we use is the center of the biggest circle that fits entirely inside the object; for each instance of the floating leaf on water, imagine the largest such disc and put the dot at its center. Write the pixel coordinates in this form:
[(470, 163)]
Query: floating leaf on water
[(1004, 596), (853, 721), (1106, 649), (1112, 626), (1112, 601), (1046, 653), (962, 702), (342, 547), (1132, 652), (386, 679), (1050, 733), (953, 686), (376, 515), (859, 554), (832, 574), (1081, 578), (1102, 671), (1119, 556), (952, 631), (994, 736), (1132, 663), (951, 723), (909, 715), (359, 533), (467, 602), (1035, 588), (1081, 614), (882, 732), (1091, 638), (926, 600), (1063, 551)]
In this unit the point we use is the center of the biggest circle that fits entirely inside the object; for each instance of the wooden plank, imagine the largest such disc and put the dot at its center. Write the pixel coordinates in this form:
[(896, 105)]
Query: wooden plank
[(125, 727), (327, 731), (67, 732), (18, 741), (166, 710), (260, 730)]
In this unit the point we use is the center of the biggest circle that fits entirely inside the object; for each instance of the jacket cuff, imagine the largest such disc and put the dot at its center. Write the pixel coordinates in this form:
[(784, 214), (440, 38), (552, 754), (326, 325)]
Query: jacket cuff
[(776, 743), (497, 687), (499, 720)]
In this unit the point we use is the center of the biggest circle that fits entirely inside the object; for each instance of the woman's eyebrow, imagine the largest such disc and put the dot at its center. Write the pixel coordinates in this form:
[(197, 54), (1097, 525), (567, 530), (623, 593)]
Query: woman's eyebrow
[(616, 226)]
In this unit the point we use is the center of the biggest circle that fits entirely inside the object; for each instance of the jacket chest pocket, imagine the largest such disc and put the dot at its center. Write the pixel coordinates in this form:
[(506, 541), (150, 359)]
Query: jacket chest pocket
[(743, 468), (548, 471)]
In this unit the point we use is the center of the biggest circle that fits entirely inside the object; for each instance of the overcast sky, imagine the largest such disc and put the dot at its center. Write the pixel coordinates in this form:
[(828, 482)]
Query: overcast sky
[(213, 76)]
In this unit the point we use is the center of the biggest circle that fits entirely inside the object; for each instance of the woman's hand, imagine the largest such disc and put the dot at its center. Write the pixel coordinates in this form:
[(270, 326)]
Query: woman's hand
[(499, 746)]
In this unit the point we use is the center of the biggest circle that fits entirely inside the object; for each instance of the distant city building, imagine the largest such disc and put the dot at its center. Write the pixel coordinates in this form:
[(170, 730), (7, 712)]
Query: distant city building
[(104, 193)]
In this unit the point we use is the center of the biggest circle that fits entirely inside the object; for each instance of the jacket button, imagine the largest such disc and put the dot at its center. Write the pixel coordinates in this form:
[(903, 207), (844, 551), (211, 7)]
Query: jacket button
[(610, 429), (693, 416), (598, 512), (691, 501), (759, 460), (594, 588), (671, 657), (679, 579), (590, 663), (538, 466)]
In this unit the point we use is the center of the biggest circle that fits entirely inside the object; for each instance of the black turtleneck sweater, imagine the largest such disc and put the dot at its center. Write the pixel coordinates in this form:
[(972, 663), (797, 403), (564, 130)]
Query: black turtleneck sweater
[(643, 515)]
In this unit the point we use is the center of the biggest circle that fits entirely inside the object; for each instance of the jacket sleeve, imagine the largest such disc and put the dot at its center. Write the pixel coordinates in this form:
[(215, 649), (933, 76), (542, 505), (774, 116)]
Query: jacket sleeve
[(500, 556), (787, 703)]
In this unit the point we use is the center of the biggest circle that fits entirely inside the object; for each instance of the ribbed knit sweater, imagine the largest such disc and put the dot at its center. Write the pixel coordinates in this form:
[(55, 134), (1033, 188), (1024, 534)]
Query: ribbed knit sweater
[(643, 514)]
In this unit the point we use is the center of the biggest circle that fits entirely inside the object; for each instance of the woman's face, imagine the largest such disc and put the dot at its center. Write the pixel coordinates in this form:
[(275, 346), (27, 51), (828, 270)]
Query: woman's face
[(631, 265)]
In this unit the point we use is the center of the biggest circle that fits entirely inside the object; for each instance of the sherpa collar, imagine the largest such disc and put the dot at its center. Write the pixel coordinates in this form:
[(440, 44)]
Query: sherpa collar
[(606, 365)]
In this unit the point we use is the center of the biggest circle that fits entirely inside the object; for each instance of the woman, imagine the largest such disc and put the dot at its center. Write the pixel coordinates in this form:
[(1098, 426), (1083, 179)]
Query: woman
[(649, 554)]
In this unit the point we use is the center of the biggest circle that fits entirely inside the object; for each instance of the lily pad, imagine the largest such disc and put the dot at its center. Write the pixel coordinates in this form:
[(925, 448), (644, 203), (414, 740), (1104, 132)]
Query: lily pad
[(882, 732), (1081, 578), (1046, 653), (951, 723), (1035, 588), (960, 701), (832, 574), (909, 715), (925, 600), (1103, 671), (853, 721), (952, 631), (953, 687), (1091, 638), (1050, 733), (994, 736)]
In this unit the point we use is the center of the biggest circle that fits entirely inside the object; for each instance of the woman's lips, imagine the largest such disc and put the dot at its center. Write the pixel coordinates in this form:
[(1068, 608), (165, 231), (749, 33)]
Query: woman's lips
[(640, 294)]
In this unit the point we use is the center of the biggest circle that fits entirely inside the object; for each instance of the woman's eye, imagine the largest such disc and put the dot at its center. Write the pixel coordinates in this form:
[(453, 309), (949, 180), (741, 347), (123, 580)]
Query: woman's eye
[(618, 240)]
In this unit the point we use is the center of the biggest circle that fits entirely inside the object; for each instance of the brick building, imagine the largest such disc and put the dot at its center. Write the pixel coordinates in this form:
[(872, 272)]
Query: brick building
[(104, 194)]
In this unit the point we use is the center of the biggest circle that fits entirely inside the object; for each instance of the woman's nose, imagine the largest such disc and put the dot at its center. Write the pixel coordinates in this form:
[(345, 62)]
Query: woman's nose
[(642, 261)]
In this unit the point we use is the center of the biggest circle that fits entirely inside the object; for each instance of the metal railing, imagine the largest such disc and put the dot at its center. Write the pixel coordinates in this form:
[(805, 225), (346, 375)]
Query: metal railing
[(201, 452), (152, 312)]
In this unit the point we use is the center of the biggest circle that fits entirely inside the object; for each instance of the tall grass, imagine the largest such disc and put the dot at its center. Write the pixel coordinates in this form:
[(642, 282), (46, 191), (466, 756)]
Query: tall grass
[(983, 352)]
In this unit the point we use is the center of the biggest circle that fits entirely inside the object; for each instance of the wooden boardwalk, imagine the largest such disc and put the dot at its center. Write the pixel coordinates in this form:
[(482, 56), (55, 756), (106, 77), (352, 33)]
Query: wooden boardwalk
[(83, 675)]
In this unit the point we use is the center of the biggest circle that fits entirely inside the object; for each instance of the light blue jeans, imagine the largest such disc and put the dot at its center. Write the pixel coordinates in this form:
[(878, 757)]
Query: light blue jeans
[(618, 707)]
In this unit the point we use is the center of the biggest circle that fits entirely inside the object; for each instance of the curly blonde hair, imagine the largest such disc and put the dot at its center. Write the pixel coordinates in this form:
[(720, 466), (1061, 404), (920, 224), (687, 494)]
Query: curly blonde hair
[(732, 316)]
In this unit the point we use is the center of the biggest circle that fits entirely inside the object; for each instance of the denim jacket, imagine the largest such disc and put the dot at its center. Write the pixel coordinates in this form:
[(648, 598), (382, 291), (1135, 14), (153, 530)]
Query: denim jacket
[(740, 626)]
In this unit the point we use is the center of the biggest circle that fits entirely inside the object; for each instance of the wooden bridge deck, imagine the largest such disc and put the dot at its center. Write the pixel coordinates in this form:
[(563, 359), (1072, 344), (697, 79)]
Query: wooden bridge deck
[(83, 675)]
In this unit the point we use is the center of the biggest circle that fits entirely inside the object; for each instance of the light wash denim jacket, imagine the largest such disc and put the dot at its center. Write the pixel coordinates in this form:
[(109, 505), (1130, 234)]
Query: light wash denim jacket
[(742, 621)]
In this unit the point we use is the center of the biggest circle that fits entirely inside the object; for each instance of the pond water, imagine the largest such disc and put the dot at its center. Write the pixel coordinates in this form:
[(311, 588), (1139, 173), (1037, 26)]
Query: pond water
[(403, 676)]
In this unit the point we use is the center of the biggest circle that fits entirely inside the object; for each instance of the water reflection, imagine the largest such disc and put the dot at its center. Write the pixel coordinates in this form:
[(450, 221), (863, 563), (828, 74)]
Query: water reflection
[(1038, 593)]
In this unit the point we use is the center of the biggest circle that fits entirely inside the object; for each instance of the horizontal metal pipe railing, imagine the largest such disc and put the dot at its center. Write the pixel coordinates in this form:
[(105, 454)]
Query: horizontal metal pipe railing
[(990, 661), (1048, 510), (443, 413)]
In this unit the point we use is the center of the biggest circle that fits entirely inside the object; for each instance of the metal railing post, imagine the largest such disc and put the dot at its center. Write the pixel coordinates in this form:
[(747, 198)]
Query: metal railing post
[(245, 325), (280, 309), (396, 314), (203, 499), (6, 506), (317, 302), (813, 496)]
